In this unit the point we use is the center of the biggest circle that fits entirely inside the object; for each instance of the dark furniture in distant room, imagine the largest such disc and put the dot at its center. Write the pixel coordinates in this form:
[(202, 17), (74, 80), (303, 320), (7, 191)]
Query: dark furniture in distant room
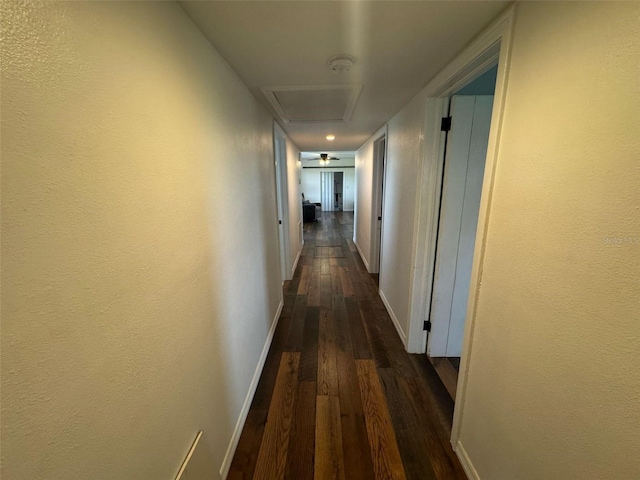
[(308, 212)]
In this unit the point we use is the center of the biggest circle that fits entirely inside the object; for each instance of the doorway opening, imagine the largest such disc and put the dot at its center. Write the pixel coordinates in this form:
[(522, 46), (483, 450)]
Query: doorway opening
[(379, 169), (491, 48), (332, 191), (467, 138), (328, 184), (280, 153)]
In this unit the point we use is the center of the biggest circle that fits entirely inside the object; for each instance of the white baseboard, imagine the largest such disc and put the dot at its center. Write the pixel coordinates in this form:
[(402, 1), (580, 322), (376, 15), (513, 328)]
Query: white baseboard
[(235, 438), (364, 260), (402, 335), (295, 263), (465, 461)]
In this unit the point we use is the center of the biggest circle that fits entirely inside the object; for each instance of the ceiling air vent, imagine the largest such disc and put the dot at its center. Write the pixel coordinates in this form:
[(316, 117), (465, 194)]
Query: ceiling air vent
[(313, 104)]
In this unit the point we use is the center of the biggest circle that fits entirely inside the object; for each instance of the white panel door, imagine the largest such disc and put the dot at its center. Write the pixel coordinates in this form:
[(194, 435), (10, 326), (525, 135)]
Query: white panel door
[(326, 188), (461, 192)]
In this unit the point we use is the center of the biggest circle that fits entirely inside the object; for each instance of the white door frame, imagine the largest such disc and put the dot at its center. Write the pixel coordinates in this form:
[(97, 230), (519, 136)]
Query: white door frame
[(377, 224), (491, 47), (282, 199)]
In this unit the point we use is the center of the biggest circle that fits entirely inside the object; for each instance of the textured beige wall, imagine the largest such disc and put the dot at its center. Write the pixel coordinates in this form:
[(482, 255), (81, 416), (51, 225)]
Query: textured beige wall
[(554, 384), (364, 197), (140, 268), (404, 157)]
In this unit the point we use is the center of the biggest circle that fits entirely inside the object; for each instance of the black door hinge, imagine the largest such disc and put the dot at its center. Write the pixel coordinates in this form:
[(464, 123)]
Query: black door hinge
[(445, 126), (427, 326), (279, 222)]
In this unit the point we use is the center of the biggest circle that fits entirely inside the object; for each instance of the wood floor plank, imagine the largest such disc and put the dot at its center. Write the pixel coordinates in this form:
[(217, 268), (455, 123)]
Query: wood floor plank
[(313, 297), (385, 456), (329, 454), (340, 324), (272, 457), (245, 458), (336, 283), (325, 266), (325, 291), (412, 442), (447, 374), (376, 340), (308, 371), (443, 460), (300, 457), (345, 281), (327, 367), (359, 342), (303, 287), (293, 342), (354, 430)]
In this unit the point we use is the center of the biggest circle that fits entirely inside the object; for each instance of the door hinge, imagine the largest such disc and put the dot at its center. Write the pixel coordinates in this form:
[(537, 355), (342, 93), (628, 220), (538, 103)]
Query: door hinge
[(445, 126), (427, 326), (279, 222), (379, 218)]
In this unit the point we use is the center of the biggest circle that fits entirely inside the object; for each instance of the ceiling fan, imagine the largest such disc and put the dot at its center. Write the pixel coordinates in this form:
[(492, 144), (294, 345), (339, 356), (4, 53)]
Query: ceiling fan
[(325, 158)]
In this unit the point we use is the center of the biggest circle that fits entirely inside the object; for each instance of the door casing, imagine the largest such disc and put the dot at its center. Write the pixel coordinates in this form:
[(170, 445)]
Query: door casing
[(491, 47), (282, 199)]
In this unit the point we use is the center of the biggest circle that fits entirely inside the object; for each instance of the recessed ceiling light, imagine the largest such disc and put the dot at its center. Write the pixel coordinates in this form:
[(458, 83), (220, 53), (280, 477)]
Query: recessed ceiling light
[(331, 138)]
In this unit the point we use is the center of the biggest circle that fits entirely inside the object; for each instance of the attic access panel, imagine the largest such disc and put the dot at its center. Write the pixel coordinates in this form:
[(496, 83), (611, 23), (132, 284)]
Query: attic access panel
[(313, 104)]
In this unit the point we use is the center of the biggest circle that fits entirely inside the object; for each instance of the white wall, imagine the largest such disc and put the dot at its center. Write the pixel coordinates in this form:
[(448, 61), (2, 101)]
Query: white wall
[(404, 158), (137, 223), (403, 163), (294, 173), (311, 185), (348, 189), (554, 386)]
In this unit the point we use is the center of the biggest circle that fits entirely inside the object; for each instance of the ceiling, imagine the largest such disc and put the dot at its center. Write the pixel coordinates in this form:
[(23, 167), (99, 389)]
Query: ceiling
[(398, 47)]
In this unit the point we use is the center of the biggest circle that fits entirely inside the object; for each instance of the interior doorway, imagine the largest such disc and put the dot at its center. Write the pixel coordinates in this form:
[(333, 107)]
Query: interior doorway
[(379, 169), (280, 154), (331, 191), (464, 164), (488, 50), (338, 186)]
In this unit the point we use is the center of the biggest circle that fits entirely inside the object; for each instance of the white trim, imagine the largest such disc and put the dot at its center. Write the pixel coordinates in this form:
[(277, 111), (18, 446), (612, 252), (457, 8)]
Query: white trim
[(465, 461), (494, 44), (184, 465), (295, 263), (391, 313), (507, 22), (429, 186), (364, 260), (235, 438)]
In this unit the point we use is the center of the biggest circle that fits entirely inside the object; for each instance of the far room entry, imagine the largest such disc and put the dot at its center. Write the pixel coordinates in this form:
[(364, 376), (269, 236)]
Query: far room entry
[(331, 184), (328, 181)]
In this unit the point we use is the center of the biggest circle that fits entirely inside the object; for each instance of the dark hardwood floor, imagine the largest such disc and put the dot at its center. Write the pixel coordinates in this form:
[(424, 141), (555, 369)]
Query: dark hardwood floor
[(339, 397)]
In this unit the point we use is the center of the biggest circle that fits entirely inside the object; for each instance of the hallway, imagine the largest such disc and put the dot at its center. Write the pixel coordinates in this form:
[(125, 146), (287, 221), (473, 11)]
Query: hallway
[(339, 396)]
